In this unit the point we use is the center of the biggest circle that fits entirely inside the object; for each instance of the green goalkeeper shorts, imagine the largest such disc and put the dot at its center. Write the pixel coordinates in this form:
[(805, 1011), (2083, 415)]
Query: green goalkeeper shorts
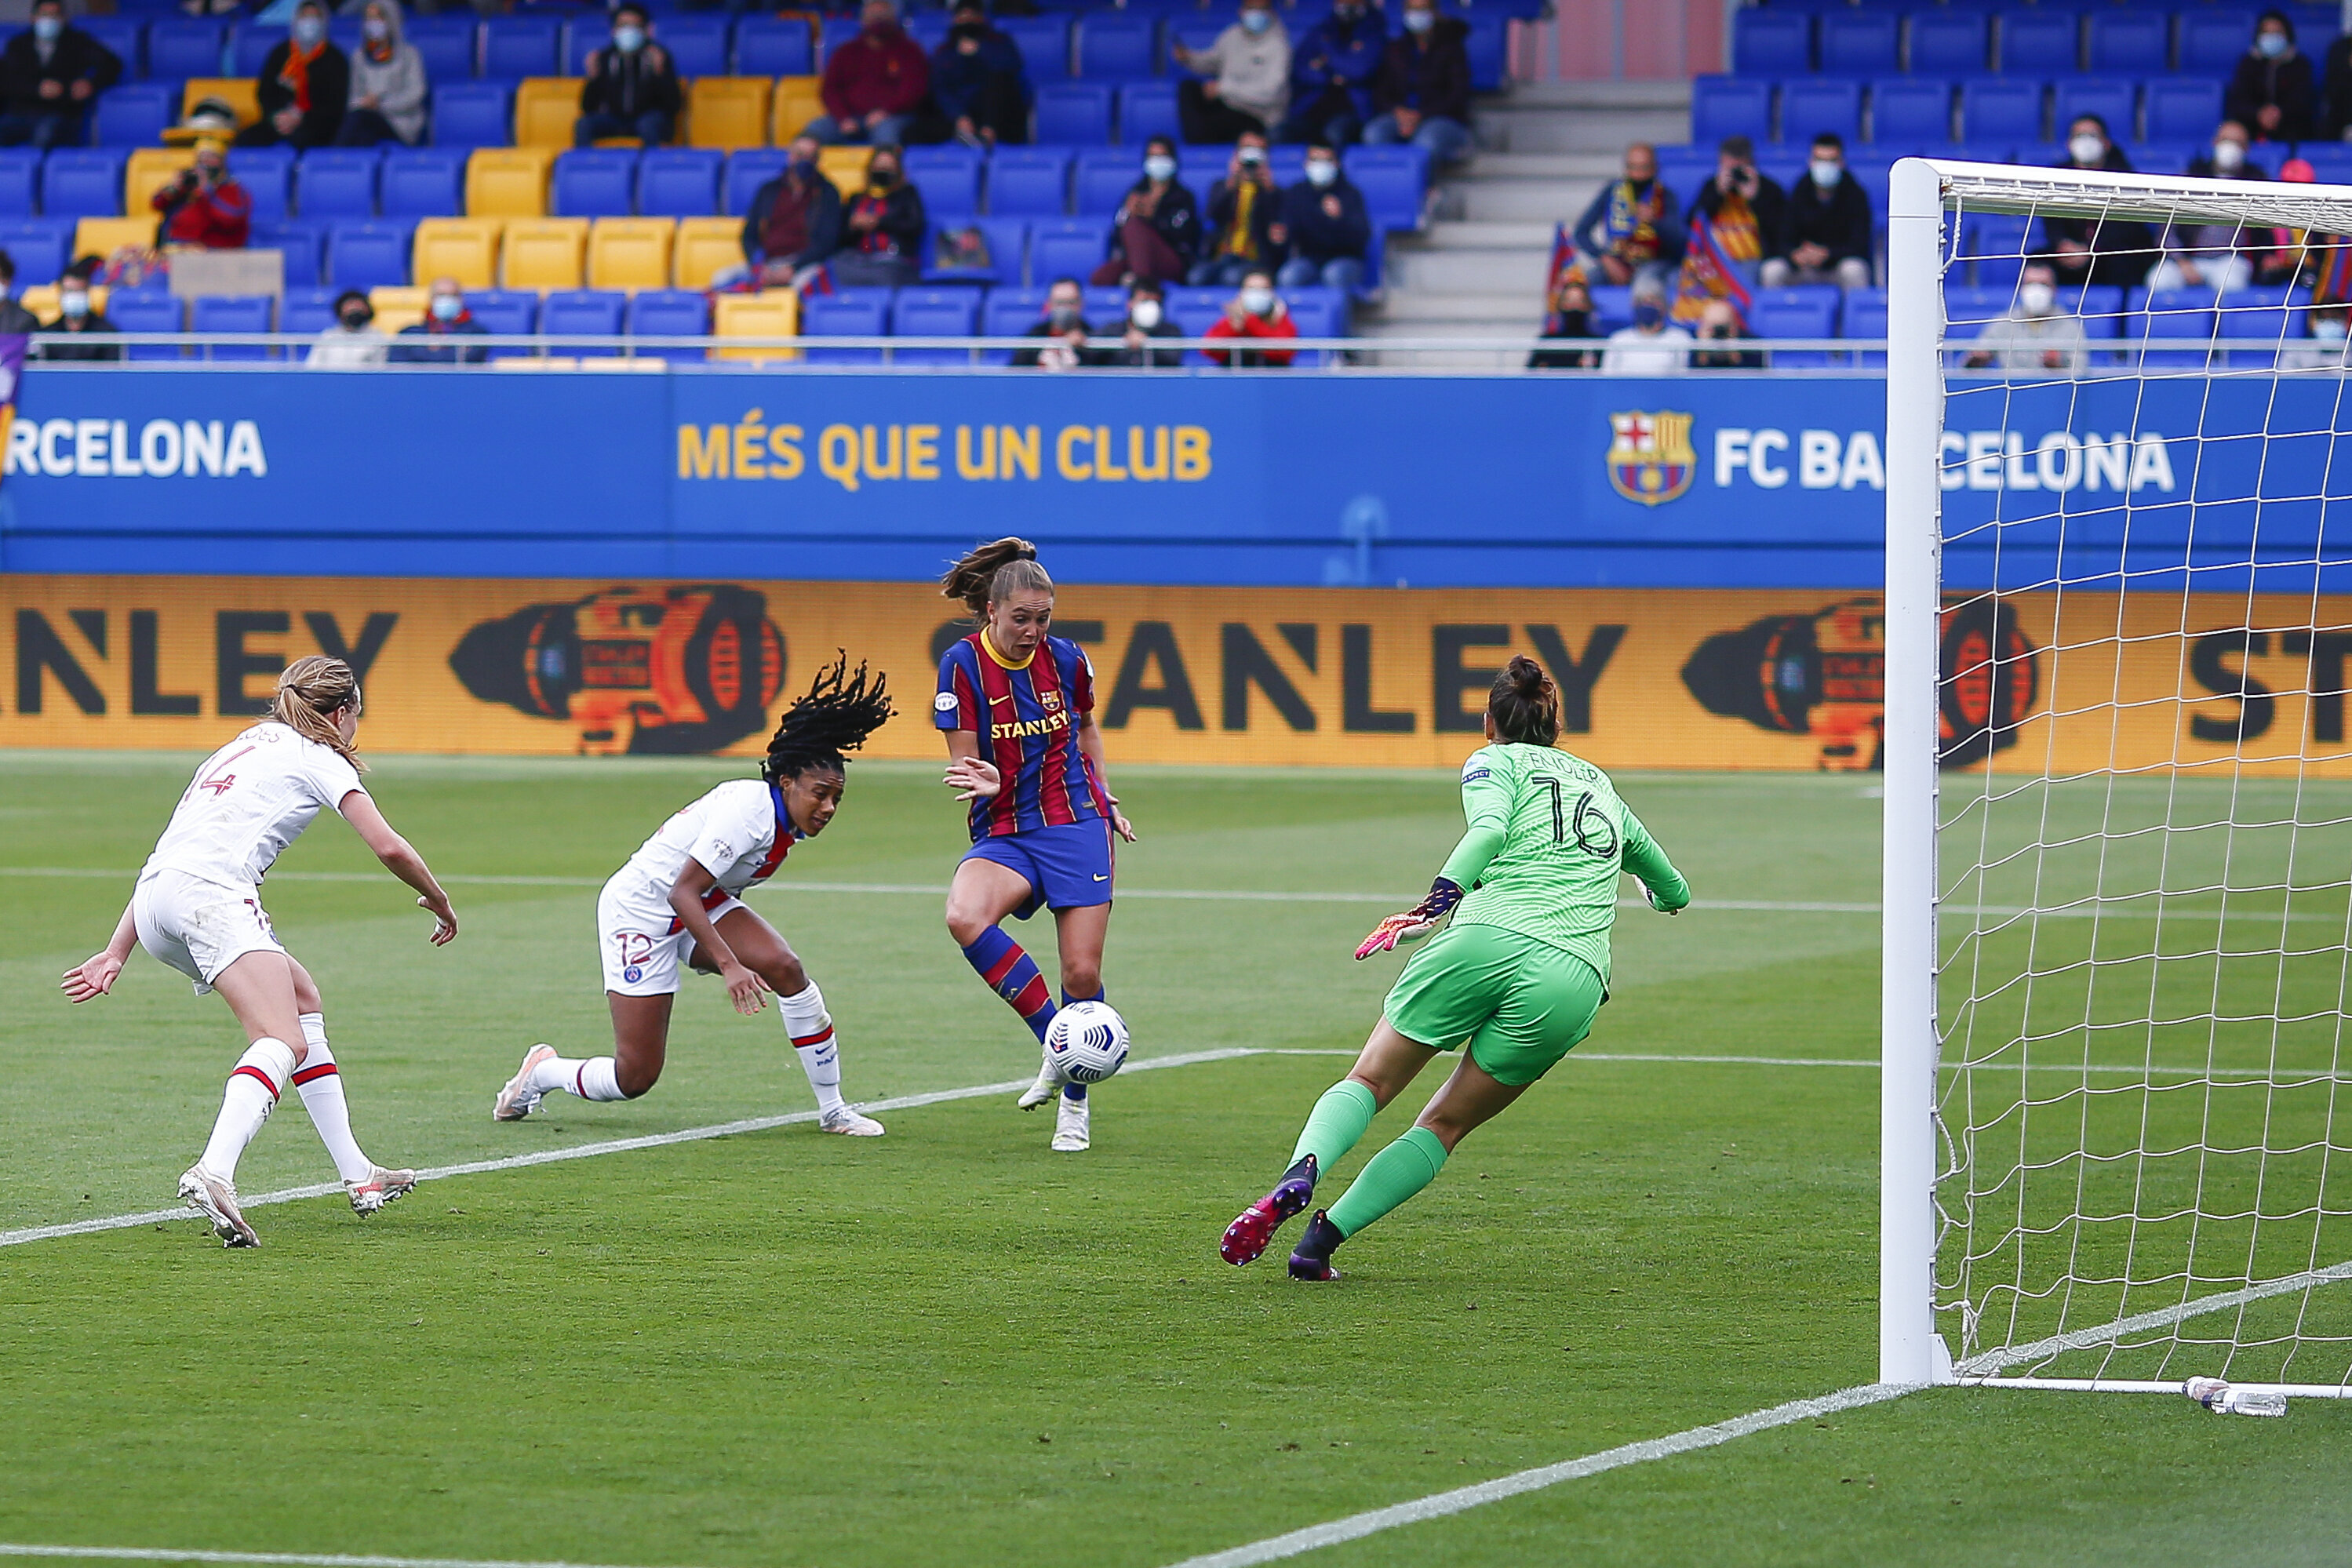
[(1521, 1003)]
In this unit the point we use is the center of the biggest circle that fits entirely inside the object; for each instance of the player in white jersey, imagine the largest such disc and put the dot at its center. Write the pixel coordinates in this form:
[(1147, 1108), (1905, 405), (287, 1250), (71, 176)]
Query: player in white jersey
[(197, 907), (675, 904)]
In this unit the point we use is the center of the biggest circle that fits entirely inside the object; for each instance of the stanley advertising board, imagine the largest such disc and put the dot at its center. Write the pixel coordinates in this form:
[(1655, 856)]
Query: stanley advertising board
[(1689, 679)]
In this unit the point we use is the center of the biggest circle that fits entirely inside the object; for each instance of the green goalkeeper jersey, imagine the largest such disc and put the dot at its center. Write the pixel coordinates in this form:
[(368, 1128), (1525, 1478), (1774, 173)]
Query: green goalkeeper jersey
[(1547, 839)]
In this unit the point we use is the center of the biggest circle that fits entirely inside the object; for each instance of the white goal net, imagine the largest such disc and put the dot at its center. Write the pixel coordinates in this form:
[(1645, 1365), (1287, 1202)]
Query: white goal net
[(2119, 787)]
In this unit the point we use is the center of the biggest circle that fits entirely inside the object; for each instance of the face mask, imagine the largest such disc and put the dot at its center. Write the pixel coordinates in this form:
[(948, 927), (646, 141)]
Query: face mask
[(628, 40), (375, 31), (2086, 149), (1064, 316), (1420, 21), (47, 28), (972, 30), (1144, 313), (878, 28), (308, 30), (2328, 332), (1258, 302), (355, 320), (1251, 157), (1648, 315), (447, 308), (1826, 173), (804, 169), (1159, 166), (881, 179), (2228, 156), (2036, 298), (2270, 45), (74, 303), (1257, 21), (1322, 172)]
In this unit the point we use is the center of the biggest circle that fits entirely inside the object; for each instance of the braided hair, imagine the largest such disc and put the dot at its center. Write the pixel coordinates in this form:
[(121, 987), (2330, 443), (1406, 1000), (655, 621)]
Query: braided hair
[(839, 712)]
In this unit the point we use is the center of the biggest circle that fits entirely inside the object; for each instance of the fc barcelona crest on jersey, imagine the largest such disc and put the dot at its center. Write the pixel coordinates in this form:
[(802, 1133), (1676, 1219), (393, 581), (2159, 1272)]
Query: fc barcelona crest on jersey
[(1650, 455)]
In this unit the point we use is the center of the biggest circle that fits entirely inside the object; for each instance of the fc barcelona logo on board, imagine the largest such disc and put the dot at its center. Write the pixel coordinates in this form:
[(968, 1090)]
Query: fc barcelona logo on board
[(1650, 455)]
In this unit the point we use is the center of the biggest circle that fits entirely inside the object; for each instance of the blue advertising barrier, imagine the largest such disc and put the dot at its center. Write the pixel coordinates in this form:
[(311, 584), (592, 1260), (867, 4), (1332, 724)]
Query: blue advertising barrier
[(1718, 481)]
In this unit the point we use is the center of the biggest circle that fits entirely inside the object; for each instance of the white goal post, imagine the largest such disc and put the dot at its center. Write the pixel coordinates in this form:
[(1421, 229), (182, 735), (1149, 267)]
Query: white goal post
[(2115, 918)]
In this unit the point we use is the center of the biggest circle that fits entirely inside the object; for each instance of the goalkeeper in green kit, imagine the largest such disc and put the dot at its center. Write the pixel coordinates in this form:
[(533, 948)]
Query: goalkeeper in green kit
[(1518, 975)]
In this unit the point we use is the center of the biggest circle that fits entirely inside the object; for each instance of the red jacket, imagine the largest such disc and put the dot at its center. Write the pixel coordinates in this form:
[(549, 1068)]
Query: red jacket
[(218, 219), (864, 76), (1253, 327)]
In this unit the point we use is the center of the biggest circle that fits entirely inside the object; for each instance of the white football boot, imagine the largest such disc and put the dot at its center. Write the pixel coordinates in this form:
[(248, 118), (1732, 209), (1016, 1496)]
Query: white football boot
[(215, 1198), (1048, 1084), (519, 1099), (1070, 1124), (850, 1123), (381, 1187)]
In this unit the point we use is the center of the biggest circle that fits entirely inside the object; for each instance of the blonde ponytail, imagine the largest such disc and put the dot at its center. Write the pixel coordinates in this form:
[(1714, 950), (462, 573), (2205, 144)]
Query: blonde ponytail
[(308, 693)]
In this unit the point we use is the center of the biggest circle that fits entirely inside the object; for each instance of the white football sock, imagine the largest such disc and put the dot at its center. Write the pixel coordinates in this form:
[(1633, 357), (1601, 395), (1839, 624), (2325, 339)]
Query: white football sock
[(252, 1092), (323, 1095), (591, 1079), (812, 1035)]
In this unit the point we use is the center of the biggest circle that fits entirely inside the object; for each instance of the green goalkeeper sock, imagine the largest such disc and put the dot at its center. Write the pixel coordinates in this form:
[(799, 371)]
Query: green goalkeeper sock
[(1394, 1174), (1332, 1128)]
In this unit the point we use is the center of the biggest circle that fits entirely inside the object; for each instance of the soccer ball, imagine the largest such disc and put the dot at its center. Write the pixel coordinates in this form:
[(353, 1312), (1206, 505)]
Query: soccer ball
[(1087, 1041)]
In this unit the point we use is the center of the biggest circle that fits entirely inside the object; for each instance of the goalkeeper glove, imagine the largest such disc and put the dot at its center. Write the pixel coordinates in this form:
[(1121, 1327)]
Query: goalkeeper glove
[(1659, 904), (1415, 923)]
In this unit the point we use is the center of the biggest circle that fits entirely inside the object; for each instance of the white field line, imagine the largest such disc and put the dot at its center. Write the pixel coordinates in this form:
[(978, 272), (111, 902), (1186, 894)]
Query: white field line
[(590, 1151), (158, 1555), (1991, 1361)]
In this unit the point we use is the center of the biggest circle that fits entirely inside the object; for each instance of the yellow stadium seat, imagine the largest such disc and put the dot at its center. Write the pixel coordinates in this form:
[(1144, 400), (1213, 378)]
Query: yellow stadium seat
[(773, 313), (397, 308), (727, 111), (630, 253), (41, 299), (846, 167), (464, 248), (546, 253), (149, 170), (545, 109), (798, 100), (240, 93), (707, 246), (104, 236), (507, 181)]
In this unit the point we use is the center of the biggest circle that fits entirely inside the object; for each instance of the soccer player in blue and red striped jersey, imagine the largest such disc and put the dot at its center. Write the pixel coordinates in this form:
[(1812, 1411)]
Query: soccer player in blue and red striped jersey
[(1018, 706)]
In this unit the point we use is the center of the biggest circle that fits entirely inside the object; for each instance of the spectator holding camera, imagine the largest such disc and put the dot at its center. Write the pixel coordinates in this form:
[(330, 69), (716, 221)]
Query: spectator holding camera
[(1745, 208), (50, 75), (1156, 233), (205, 206), (1325, 227), (1255, 312), (1244, 208)]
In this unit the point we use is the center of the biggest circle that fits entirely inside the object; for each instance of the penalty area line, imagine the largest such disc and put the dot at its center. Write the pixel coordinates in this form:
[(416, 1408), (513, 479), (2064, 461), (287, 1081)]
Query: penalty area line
[(304, 1559)]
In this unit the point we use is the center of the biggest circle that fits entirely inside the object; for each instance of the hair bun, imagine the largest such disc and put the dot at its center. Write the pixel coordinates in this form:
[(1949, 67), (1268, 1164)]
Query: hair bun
[(1527, 675)]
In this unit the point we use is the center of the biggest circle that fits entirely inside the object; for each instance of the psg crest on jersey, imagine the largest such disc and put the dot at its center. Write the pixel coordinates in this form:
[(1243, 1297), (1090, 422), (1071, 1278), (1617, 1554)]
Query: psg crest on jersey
[(1651, 459)]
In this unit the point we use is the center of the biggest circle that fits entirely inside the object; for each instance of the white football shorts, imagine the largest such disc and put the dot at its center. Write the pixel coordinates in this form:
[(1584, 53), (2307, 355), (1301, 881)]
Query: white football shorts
[(641, 954), (199, 927)]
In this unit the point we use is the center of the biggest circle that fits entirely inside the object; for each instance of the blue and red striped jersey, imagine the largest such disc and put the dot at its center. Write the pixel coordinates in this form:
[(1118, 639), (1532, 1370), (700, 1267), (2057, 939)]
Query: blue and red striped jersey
[(1027, 718)]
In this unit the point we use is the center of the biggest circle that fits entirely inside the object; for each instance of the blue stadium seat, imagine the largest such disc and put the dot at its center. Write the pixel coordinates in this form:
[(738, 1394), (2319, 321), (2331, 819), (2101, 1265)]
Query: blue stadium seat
[(37, 247), (583, 312), (146, 310), (1104, 179), (2212, 40), (1075, 114), (20, 183), (1810, 108), (1948, 42), (833, 32), (2183, 109), (369, 254), (2248, 315), (1009, 313), (337, 183), (1196, 33), (249, 44), (306, 310), (1115, 47), (182, 47), (2101, 307), (1722, 106), (928, 28), (747, 171), (1684, 169), (670, 313), (1866, 317), (448, 43), (1065, 247), (845, 316), (2315, 27), (2183, 315), (773, 47), (126, 36), (1394, 180), (1045, 44), (521, 45), (1992, 248), (506, 313), (2001, 112), (133, 114), (2113, 99), (934, 313), (2333, 166), (1807, 311), (1770, 45), (588, 32), (83, 183), (473, 114), (594, 183), (302, 244), (698, 41), (2130, 43), (423, 183), (1029, 182), (1316, 313), (268, 175), (245, 313), (1146, 110), (1859, 42), (1487, 47), (683, 182), (2040, 43), (1910, 111), (948, 176), (1008, 246), (1104, 302)]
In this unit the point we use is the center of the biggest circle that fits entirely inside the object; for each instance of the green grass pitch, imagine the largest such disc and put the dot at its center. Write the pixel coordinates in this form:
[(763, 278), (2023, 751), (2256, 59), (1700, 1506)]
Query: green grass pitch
[(951, 1346)]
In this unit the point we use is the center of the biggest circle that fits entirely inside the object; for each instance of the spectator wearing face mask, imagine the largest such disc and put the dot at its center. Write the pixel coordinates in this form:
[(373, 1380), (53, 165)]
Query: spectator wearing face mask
[(1146, 318), (14, 318), (2038, 337), (205, 206), (882, 244), (1244, 208), (631, 87), (1828, 236), (1652, 346), (76, 317), (2272, 92), (2325, 348), (1719, 322), (874, 84), (1063, 326), (303, 88), (1249, 68), (2095, 250), (445, 318), (979, 81), (1331, 75), (1570, 321), (1420, 93), (48, 75), (1631, 231), (2207, 254), (354, 339), (1255, 312), (388, 83), (1325, 227), (795, 221), (1156, 233)]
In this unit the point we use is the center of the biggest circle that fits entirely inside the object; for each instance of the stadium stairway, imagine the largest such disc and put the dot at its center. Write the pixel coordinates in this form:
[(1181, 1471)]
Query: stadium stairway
[(1477, 272)]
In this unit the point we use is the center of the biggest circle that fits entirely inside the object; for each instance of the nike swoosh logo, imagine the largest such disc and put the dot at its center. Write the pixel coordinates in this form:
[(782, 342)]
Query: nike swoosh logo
[(1100, 877)]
